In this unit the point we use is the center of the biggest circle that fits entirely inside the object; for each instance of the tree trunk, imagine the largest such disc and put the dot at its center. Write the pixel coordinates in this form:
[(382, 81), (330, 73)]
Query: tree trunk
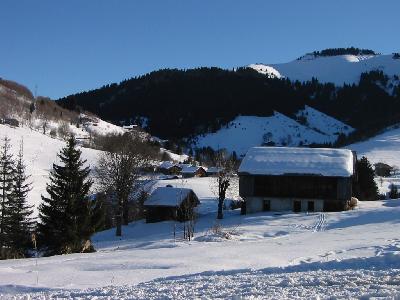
[(125, 212), (221, 206), (118, 219)]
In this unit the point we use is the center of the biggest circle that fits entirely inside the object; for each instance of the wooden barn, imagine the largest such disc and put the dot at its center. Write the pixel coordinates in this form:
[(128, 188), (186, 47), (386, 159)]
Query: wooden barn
[(169, 203), (296, 179), (193, 171), (169, 168)]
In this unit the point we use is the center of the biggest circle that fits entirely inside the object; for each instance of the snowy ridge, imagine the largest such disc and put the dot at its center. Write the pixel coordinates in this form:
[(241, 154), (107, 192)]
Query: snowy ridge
[(245, 132), (338, 69)]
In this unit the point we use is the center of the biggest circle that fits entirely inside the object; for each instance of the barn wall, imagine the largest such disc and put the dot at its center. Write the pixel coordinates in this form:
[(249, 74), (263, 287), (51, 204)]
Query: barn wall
[(344, 188), (256, 204), (246, 186)]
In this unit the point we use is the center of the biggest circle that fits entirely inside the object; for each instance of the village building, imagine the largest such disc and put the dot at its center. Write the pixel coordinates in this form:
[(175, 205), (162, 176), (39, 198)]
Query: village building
[(10, 121), (169, 168), (169, 203), (193, 171), (296, 179), (213, 171)]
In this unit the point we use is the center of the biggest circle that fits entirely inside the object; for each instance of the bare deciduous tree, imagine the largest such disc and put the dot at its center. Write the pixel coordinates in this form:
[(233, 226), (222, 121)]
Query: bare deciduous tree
[(119, 169), (224, 178)]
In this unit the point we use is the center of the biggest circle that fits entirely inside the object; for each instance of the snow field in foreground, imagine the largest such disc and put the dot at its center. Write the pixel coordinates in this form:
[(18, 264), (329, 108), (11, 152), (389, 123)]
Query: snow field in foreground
[(355, 278)]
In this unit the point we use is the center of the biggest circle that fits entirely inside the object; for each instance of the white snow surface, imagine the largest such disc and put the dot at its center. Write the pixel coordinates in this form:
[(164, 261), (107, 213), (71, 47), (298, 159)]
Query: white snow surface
[(292, 160), (167, 196), (245, 132), (338, 69), (384, 147), (352, 254)]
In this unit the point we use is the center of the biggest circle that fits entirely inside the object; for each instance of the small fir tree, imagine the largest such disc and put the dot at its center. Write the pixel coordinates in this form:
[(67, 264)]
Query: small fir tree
[(21, 222), (6, 189), (65, 214), (393, 193)]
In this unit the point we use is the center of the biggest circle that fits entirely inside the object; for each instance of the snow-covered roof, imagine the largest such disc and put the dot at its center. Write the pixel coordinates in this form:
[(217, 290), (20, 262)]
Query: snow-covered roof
[(167, 196), (214, 170), (166, 165), (290, 160), (191, 169)]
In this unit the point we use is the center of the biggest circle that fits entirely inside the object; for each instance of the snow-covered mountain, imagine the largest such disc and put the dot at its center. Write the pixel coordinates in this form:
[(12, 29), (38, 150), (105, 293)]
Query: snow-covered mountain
[(311, 126), (337, 69)]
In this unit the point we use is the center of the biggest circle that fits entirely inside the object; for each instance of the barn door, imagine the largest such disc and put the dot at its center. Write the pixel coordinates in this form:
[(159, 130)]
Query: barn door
[(266, 205), (296, 206), (310, 206)]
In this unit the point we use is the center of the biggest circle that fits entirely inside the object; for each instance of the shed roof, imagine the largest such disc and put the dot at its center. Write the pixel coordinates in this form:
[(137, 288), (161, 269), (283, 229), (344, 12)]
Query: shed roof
[(167, 196), (304, 161)]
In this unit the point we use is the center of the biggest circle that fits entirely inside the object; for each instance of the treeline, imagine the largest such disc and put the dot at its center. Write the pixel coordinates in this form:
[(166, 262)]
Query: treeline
[(178, 104), (344, 51)]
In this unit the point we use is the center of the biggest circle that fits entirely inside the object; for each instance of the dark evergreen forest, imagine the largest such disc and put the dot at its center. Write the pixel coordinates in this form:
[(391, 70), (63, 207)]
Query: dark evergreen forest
[(183, 103)]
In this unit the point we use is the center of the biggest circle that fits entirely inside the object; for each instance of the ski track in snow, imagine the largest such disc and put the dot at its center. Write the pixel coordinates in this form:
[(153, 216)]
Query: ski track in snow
[(321, 223)]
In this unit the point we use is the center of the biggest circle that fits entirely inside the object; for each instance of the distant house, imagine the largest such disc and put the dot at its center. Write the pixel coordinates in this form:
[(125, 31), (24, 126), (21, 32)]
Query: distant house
[(297, 179), (130, 127), (213, 171), (10, 121), (169, 168), (193, 171), (169, 203)]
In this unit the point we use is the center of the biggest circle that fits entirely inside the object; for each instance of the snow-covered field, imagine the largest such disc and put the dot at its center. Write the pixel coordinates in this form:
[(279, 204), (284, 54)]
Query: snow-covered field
[(336, 69), (316, 255)]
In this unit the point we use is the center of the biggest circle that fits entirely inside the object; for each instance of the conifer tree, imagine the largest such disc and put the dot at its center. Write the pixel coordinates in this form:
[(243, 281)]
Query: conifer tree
[(6, 187), (365, 187), (65, 214), (20, 224)]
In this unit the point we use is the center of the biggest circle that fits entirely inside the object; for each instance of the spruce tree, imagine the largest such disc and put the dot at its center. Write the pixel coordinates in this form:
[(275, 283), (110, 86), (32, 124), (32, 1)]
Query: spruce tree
[(365, 187), (6, 188), (65, 214), (20, 224)]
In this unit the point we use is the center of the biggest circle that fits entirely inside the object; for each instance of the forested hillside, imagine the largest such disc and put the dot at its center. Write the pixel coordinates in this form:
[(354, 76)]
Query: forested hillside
[(175, 103)]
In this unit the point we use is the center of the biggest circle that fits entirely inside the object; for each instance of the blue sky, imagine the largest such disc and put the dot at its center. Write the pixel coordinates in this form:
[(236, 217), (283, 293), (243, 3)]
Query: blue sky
[(63, 47)]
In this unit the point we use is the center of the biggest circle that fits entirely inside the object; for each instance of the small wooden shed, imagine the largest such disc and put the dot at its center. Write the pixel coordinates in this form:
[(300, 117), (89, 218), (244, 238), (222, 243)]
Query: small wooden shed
[(169, 203), (169, 168), (193, 171)]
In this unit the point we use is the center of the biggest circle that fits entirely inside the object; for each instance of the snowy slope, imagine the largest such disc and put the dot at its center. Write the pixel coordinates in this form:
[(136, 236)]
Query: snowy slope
[(40, 152), (248, 131), (323, 123), (384, 147), (336, 69)]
